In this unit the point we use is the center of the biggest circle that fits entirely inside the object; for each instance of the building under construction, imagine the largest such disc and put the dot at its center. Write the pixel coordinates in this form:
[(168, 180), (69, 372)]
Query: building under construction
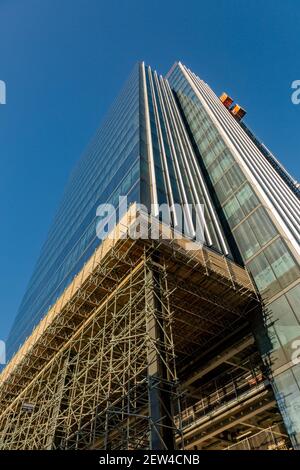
[(148, 348), (161, 343)]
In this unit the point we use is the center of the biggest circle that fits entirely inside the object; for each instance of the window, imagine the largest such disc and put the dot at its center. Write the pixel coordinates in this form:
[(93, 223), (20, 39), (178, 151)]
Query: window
[(233, 212), (246, 240), (263, 275), (240, 205), (247, 198), (286, 325), (273, 269), (288, 396), (293, 297), (229, 182), (262, 226), (208, 156), (215, 171), (226, 159), (282, 263)]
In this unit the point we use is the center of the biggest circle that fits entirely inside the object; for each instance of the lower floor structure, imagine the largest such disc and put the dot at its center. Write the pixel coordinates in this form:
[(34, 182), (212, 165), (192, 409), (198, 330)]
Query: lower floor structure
[(150, 347)]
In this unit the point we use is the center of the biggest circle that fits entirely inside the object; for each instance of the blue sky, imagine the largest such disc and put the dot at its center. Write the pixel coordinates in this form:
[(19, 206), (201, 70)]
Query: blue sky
[(64, 61)]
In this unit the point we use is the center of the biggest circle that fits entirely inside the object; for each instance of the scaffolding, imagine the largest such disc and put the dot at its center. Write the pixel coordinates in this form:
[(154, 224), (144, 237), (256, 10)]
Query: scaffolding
[(104, 368), (267, 439)]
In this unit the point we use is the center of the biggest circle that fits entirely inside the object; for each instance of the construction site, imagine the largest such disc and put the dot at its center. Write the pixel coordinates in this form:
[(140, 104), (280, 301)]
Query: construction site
[(149, 347)]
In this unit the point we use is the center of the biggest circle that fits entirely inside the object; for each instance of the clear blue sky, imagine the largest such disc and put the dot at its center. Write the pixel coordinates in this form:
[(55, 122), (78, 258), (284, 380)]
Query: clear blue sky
[(65, 60)]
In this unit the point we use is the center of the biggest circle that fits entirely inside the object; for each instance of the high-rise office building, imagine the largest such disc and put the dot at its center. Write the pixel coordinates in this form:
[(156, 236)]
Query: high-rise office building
[(165, 141)]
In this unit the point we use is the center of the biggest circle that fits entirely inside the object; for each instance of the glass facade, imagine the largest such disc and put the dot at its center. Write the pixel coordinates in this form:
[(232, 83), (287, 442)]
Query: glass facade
[(109, 167), (265, 244), (170, 172)]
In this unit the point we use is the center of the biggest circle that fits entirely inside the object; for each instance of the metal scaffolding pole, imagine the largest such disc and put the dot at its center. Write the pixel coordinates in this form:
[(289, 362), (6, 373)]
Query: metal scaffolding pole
[(161, 359)]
